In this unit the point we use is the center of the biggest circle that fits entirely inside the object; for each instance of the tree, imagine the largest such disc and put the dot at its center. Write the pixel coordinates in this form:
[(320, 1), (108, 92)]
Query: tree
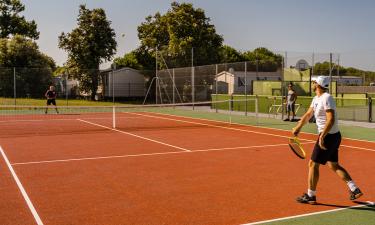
[(175, 33), (11, 23), (262, 59), (228, 54), (128, 60), (32, 68), (89, 45)]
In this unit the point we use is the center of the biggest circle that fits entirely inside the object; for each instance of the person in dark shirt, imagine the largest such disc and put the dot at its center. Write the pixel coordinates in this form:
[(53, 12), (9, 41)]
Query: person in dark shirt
[(51, 95)]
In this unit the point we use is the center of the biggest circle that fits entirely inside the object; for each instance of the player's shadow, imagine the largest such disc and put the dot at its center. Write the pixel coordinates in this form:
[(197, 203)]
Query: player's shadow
[(368, 208)]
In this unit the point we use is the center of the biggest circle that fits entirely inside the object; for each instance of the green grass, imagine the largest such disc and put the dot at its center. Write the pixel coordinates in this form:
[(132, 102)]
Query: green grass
[(362, 216)]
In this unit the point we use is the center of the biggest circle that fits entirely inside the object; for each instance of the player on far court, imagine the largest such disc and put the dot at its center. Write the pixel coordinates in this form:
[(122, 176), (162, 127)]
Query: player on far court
[(51, 98), (326, 147)]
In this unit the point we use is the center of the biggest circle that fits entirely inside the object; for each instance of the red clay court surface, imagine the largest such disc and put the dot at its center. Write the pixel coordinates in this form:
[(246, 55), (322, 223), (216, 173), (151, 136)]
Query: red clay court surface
[(162, 169)]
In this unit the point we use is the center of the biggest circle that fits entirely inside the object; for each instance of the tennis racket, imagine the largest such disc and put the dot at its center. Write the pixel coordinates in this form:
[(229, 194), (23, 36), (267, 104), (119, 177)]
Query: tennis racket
[(296, 147)]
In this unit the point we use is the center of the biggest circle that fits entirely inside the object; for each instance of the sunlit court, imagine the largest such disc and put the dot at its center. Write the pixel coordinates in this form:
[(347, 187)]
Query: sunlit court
[(187, 112), (158, 167)]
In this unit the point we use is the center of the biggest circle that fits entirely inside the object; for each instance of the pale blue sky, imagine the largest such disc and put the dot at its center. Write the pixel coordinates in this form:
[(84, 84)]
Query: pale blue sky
[(297, 26)]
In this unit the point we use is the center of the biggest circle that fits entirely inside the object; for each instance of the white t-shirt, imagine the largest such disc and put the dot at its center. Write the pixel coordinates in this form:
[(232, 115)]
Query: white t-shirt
[(320, 105), (291, 98)]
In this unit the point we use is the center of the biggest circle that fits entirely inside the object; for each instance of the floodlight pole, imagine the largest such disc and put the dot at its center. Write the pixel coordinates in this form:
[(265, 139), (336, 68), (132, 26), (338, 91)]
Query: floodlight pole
[(192, 77), (156, 75), (330, 73), (245, 88)]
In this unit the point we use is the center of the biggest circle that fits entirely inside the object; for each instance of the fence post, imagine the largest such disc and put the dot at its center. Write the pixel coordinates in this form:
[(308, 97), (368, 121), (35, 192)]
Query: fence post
[(245, 88), (14, 86), (369, 109), (216, 93)]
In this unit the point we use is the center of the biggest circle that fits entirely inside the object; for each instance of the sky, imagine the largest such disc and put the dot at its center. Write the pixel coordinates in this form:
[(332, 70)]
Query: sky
[(297, 27)]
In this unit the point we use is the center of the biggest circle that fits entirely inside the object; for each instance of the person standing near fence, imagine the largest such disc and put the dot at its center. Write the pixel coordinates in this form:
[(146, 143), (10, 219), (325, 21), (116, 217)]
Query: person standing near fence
[(326, 149), (51, 95), (291, 102)]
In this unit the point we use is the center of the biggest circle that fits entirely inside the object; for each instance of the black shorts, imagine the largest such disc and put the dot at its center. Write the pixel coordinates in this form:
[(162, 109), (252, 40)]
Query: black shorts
[(51, 101), (332, 143)]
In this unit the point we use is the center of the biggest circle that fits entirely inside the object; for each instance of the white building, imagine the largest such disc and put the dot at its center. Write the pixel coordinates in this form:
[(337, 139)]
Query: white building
[(233, 82)]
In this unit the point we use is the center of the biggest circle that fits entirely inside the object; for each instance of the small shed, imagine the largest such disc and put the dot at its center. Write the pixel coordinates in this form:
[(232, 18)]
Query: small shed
[(124, 82)]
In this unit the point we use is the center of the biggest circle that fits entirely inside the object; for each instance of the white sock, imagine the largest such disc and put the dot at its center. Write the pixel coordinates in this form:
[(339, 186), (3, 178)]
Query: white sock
[(352, 185), (311, 193)]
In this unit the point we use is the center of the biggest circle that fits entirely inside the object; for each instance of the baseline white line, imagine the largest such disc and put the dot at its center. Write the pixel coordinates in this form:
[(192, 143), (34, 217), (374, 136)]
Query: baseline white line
[(23, 191), (232, 128), (134, 135), (97, 158), (304, 215), (147, 154)]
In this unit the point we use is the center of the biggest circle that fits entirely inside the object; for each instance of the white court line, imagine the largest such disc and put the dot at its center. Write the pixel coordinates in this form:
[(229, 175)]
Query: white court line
[(134, 135), (245, 147), (361, 148), (304, 215), (232, 128), (148, 154), (211, 125), (247, 125), (23, 191)]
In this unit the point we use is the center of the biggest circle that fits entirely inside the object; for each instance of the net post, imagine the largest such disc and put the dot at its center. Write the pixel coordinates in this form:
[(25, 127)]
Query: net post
[(369, 109)]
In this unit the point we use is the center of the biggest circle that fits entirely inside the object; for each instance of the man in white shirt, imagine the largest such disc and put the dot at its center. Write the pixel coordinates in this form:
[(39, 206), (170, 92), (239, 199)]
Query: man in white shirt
[(290, 102), (323, 107)]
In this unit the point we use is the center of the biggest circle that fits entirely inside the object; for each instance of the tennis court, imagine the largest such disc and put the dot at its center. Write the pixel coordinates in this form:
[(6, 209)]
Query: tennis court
[(162, 166)]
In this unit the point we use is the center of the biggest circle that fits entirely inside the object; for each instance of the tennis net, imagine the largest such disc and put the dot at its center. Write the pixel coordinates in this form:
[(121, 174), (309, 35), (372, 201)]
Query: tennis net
[(36, 120)]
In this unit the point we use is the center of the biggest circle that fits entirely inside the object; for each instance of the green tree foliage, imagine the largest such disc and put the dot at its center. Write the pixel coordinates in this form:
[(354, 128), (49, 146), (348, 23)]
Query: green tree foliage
[(324, 67), (262, 59), (11, 23), (175, 33), (228, 54), (88, 45), (128, 60), (32, 68)]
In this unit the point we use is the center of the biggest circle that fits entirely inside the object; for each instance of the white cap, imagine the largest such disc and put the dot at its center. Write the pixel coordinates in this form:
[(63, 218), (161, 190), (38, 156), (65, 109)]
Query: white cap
[(323, 81)]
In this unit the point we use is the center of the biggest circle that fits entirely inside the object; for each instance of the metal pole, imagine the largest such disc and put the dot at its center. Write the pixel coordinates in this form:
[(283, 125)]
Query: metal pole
[(15, 86), (313, 63), (66, 88), (156, 75), (369, 109), (338, 71), (173, 86), (245, 88), (192, 78), (216, 71), (312, 71), (282, 84), (330, 73), (113, 84)]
